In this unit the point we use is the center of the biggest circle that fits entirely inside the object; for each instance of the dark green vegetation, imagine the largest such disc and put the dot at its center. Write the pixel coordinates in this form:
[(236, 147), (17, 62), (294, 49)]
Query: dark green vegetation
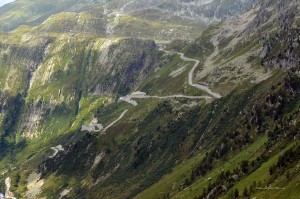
[(65, 72), (238, 152)]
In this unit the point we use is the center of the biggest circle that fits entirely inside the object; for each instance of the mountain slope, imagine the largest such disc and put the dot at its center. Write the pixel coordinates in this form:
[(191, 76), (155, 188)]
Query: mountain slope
[(65, 133), (155, 19)]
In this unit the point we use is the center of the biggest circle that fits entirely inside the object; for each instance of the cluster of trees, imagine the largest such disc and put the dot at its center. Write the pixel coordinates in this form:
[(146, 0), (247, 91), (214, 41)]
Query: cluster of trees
[(10, 120), (236, 194), (270, 117), (282, 109), (231, 141), (287, 159), (226, 180), (12, 114), (4, 145), (283, 97)]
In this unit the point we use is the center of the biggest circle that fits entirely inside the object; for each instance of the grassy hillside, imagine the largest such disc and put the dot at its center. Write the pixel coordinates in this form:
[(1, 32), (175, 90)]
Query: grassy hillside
[(257, 156), (26, 12)]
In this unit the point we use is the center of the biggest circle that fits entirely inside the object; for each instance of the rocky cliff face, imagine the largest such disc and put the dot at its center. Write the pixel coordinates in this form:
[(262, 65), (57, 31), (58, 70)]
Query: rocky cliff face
[(18, 62), (53, 74), (247, 46), (208, 10), (281, 49)]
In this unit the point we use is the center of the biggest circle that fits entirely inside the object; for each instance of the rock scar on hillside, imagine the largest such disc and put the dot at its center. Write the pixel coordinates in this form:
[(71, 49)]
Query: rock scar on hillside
[(34, 185)]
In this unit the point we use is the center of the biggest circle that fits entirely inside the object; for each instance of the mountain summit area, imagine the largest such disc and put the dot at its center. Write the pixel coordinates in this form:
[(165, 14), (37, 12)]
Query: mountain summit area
[(150, 99)]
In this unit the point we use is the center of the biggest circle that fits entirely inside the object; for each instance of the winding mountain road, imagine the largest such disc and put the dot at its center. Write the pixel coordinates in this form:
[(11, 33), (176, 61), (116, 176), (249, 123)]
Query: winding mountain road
[(130, 98), (191, 74)]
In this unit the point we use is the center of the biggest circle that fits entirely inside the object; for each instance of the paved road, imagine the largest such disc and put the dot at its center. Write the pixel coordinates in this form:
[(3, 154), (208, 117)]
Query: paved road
[(130, 98), (191, 74), (119, 118)]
